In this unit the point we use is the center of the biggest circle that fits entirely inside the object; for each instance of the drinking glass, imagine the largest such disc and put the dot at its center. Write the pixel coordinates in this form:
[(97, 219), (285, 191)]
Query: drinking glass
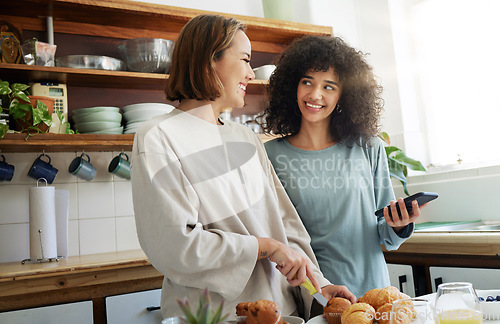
[(457, 302), (411, 310)]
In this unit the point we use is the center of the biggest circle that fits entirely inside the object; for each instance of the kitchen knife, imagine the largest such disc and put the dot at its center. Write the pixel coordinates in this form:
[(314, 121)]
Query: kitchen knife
[(319, 297)]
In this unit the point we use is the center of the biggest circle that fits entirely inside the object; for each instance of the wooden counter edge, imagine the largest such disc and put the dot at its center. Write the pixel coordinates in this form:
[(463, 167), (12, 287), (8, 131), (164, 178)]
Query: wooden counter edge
[(73, 264), (463, 243)]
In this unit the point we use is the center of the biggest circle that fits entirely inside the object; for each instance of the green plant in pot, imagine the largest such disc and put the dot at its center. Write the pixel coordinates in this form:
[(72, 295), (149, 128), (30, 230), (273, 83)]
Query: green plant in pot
[(204, 314), (399, 162), (29, 113)]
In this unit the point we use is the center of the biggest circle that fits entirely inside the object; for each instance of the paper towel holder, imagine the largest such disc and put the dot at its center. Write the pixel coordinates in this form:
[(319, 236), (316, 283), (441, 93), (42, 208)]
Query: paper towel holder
[(43, 259)]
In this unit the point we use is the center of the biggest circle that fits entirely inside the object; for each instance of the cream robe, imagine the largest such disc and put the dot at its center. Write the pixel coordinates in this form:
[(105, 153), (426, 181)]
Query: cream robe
[(202, 193)]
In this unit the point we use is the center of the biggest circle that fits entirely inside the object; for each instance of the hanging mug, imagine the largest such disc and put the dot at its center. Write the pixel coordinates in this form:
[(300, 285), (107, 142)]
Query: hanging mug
[(6, 170), (42, 169), (120, 166), (82, 168)]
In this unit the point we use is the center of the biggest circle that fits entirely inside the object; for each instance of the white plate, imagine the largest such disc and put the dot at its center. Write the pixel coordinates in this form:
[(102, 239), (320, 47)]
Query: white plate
[(317, 320), (293, 320)]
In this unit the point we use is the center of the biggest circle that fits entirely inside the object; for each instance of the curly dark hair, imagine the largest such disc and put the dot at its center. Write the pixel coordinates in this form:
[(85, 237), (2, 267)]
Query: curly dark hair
[(360, 102)]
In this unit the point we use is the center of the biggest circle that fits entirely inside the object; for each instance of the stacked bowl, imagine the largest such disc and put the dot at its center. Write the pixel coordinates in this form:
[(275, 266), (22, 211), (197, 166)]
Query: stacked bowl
[(136, 114), (98, 120)]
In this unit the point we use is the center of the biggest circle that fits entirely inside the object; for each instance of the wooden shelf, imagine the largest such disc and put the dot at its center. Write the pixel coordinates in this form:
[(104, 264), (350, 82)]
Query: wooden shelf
[(130, 19), (95, 78), (17, 143), (83, 22)]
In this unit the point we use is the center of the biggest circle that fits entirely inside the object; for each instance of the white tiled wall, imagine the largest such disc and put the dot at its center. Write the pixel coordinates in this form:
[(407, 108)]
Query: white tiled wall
[(101, 215)]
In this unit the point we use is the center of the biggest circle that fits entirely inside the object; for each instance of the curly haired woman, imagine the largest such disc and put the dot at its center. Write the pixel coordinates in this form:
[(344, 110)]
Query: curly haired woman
[(326, 104)]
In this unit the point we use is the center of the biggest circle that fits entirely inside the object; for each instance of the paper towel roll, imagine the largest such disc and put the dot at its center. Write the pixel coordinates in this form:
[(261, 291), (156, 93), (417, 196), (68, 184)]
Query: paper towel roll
[(42, 214)]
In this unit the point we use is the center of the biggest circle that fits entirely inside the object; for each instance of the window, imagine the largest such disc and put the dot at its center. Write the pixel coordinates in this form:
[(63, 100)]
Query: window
[(448, 60)]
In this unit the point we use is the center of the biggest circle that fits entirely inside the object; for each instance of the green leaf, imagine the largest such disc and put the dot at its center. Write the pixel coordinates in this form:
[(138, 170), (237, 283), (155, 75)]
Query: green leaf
[(405, 188), (37, 116), (385, 137), (396, 170), (3, 130), (60, 116), (20, 110), (401, 158), (203, 316), (21, 95), (391, 149), (68, 129), (19, 87), (4, 88)]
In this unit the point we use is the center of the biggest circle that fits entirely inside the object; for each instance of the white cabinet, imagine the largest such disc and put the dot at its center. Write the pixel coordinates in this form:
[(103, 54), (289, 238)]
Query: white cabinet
[(401, 277), (81, 313), (135, 308), (479, 277)]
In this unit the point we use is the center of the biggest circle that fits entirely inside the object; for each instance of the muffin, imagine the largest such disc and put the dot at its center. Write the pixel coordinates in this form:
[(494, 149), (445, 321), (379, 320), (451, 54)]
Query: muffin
[(264, 312), (242, 308), (332, 312)]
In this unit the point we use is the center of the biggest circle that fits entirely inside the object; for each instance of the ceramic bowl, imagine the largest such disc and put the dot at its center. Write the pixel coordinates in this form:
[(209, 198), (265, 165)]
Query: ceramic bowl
[(105, 116), (142, 115), (95, 126), (148, 105), (117, 130), (264, 72), (83, 111)]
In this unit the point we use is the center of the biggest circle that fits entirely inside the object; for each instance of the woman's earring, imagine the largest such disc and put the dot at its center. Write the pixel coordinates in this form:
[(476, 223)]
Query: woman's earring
[(339, 110)]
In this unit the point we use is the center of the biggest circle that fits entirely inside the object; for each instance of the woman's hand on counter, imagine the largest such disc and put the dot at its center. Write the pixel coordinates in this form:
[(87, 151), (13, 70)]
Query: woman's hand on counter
[(292, 264)]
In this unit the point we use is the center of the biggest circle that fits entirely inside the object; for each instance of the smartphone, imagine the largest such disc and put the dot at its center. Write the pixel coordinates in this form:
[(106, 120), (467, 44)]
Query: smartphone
[(420, 197)]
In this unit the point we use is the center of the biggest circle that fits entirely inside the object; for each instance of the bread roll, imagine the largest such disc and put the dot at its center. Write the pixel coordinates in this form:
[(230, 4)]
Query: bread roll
[(383, 314), (359, 313), (378, 297), (369, 296)]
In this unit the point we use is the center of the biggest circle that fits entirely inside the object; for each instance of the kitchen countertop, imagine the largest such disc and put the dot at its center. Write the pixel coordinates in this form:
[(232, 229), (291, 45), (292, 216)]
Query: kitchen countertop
[(470, 243), (76, 278), (104, 261)]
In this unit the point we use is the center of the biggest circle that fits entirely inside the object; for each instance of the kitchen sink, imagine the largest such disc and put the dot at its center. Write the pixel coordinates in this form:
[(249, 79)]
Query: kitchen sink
[(478, 226)]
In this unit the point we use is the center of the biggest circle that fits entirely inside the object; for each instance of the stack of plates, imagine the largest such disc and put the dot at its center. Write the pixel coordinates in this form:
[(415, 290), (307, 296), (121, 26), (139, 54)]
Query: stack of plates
[(98, 120), (136, 114)]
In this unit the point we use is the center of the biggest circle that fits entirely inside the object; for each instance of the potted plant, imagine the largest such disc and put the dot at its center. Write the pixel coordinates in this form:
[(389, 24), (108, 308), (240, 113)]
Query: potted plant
[(31, 114), (399, 163), (204, 314)]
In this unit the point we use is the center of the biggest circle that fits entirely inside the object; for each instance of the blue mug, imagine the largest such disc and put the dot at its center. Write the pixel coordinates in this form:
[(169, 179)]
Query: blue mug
[(6, 170), (120, 166), (82, 168), (41, 169)]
